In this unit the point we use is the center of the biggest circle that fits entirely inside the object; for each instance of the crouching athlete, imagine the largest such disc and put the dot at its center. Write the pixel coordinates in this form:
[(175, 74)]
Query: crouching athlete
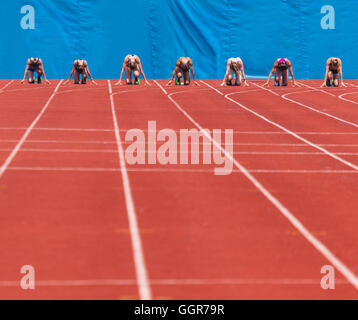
[(34, 65), (234, 66), (80, 68), (333, 71), (182, 70), (132, 65), (280, 68)]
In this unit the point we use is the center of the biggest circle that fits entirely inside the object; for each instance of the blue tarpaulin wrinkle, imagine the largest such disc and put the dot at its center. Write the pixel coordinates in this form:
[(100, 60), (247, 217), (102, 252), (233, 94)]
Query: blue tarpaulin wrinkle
[(160, 31)]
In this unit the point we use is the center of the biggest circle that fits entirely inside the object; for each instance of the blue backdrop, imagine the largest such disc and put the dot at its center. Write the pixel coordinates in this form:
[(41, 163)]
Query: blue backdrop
[(159, 31)]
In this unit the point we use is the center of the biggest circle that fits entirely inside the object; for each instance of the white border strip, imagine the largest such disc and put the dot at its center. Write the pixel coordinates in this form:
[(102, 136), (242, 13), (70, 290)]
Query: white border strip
[(175, 169), (172, 282), (138, 255), (278, 153)]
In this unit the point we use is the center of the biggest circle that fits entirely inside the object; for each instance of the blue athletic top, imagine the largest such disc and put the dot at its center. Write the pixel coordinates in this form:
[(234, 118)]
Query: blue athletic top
[(33, 66), (77, 65)]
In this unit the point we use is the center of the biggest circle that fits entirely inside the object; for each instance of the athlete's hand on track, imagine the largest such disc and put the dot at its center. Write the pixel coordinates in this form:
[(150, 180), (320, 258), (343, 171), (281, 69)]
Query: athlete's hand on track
[(197, 84), (343, 84), (48, 82), (246, 84), (119, 82), (147, 83), (266, 84), (169, 83), (22, 81), (324, 84), (67, 81), (94, 82), (223, 84)]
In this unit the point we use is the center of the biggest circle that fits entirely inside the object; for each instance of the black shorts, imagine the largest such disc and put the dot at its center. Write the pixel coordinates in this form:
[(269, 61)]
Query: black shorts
[(185, 74), (335, 74)]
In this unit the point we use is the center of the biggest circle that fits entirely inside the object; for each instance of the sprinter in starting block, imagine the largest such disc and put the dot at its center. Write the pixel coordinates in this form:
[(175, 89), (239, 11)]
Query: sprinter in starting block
[(80, 68), (34, 65), (333, 71), (132, 65), (280, 68), (234, 66), (182, 70)]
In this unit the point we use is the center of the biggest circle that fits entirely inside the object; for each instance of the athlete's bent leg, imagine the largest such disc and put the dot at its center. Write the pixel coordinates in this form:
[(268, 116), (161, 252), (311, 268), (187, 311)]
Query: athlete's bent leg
[(179, 75), (128, 76), (336, 79), (277, 77), (136, 74), (76, 76), (39, 75), (84, 78), (230, 76), (187, 78), (329, 79), (30, 76), (238, 79), (284, 78)]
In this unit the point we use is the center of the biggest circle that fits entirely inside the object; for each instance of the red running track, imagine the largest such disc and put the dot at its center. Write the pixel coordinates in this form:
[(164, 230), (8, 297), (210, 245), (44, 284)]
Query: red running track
[(95, 227)]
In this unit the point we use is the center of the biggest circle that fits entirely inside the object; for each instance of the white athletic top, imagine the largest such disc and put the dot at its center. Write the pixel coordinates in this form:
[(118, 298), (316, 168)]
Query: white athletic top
[(231, 60), (235, 59), (133, 56)]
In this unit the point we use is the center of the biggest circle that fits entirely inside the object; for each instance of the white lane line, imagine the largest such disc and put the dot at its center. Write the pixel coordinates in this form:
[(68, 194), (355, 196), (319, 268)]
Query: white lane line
[(297, 136), (81, 90), (351, 84), (58, 129), (156, 82), (170, 169), (301, 171), (63, 150), (284, 96), (145, 130), (248, 144), (218, 91), (172, 282), (327, 133), (184, 152), (348, 274), (348, 100), (16, 149), (137, 90), (6, 85), (31, 89), (78, 169), (315, 89), (62, 141), (263, 88), (138, 254)]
